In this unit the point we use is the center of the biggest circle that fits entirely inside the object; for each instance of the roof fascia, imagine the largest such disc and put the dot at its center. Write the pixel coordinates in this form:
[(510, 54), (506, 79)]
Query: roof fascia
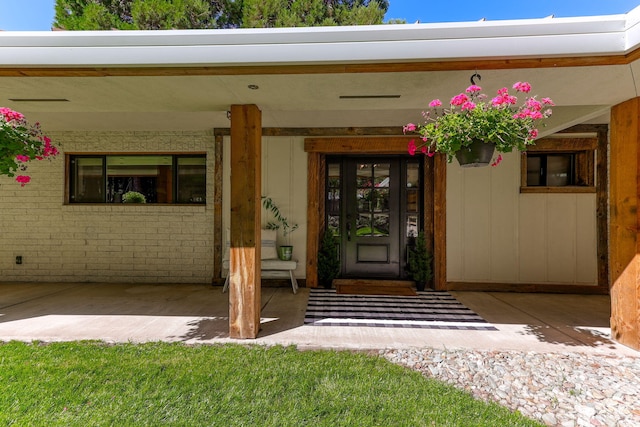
[(531, 38)]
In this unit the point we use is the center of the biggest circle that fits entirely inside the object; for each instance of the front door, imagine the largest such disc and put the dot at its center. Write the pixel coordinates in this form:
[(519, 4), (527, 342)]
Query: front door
[(375, 217)]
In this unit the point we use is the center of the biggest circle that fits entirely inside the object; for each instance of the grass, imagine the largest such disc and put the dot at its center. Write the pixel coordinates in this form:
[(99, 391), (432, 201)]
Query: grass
[(96, 384)]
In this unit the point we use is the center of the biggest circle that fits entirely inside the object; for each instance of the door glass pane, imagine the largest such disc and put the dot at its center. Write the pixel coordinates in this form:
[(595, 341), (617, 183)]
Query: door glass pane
[(412, 226), (380, 200), (364, 199), (333, 175), (363, 225), (380, 225), (413, 177), (412, 200), (381, 174), (333, 200), (363, 175), (333, 223)]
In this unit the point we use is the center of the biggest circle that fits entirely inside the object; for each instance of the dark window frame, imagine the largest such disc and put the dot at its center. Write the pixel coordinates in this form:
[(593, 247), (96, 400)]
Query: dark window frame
[(70, 177), (582, 151)]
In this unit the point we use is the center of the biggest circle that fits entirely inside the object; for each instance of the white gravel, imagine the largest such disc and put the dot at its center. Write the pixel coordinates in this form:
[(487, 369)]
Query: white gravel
[(558, 389)]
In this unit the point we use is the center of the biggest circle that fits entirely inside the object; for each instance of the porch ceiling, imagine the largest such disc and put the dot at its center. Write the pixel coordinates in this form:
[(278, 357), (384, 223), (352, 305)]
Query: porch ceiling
[(582, 94)]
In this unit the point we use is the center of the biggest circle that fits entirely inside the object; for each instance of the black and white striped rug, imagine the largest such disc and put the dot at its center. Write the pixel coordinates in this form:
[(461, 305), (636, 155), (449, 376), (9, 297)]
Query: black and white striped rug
[(430, 309)]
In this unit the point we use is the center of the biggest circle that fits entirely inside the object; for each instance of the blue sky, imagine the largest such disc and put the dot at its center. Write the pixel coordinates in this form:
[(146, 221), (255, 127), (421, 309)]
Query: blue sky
[(38, 14)]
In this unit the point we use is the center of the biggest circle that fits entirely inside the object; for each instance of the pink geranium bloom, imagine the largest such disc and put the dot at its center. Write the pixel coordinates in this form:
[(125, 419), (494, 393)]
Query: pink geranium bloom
[(10, 114), (435, 103), (409, 127), (22, 158), (459, 99), (473, 89), (547, 101), (430, 153), (411, 148), (423, 150), (522, 87), (23, 179), (468, 106), (534, 104), (497, 161), (533, 133)]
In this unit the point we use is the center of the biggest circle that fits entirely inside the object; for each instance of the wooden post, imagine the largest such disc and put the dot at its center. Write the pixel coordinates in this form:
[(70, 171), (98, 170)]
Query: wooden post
[(440, 222), (625, 222), (244, 260)]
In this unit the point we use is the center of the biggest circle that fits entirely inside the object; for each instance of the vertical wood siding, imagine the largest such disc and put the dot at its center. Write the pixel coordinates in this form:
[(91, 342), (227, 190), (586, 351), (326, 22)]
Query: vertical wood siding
[(497, 235)]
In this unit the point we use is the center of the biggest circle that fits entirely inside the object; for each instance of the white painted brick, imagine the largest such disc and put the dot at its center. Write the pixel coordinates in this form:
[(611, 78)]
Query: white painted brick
[(105, 243)]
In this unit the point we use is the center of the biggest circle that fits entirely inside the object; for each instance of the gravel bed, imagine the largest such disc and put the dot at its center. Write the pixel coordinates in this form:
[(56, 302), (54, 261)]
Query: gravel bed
[(558, 389)]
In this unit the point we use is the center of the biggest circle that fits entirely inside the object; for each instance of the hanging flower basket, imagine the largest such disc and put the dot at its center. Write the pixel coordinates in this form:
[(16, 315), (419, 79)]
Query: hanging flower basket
[(476, 154), (472, 120)]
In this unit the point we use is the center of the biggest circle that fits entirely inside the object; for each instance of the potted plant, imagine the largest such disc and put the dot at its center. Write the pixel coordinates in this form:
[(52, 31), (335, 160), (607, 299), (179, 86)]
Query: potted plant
[(420, 262), (328, 259), (474, 126), (133, 197), (279, 222)]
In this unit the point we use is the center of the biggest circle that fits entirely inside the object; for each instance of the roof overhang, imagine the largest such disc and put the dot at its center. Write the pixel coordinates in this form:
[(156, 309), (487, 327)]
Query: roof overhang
[(301, 72)]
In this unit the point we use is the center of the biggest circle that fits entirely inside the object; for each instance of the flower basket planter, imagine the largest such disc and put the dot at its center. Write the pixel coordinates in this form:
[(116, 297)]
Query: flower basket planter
[(477, 154)]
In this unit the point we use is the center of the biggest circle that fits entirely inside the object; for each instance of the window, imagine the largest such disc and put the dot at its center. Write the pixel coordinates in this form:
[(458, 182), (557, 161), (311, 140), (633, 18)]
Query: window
[(561, 165), (162, 178)]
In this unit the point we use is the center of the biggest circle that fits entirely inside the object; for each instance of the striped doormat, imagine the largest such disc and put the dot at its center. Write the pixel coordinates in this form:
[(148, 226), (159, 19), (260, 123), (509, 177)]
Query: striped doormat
[(429, 310)]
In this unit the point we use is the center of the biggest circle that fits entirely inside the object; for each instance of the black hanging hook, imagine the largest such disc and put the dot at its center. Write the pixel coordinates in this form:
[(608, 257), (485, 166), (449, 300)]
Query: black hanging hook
[(473, 78)]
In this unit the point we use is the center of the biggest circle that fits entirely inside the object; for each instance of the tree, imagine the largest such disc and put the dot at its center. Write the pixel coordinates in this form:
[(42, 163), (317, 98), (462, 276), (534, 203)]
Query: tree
[(204, 14)]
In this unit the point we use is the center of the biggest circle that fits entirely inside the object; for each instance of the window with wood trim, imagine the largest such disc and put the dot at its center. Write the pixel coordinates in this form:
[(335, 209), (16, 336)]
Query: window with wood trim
[(559, 165), (161, 178)]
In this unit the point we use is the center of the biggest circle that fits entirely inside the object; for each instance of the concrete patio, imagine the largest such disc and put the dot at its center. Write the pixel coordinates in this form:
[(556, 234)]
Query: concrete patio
[(199, 314)]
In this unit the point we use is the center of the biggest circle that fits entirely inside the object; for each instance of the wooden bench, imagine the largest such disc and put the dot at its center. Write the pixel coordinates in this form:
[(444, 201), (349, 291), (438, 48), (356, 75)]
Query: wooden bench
[(270, 266)]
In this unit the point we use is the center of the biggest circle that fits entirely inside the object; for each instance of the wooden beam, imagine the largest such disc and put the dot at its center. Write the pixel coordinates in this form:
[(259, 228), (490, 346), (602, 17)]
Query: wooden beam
[(364, 145), (315, 214), (244, 262), (563, 144), (218, 235), (440, 222), (602, 206), (624, 223)]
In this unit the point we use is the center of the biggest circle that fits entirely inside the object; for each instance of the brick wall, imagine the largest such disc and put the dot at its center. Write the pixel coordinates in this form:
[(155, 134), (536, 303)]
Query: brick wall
[(105, 243)]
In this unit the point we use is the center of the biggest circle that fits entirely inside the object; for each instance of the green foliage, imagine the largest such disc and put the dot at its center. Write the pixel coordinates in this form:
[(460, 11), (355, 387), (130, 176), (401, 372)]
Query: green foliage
[(96, 384), (328, 259), (420, 261), (280, 221), (133, 197), (203, 14)]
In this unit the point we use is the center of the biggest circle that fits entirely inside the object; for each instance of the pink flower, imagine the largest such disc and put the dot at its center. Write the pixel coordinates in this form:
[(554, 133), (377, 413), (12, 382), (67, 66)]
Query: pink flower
[(431, 153), (522, 87), (534, 104), (22, 158), (533, 133), (409, 127), (23, 179), (411, 148), (10, 115), (503, 92), (497, 161), (423, 150), (435, 103), (547, 101), (473, 89), (459, 99), (468, 106)]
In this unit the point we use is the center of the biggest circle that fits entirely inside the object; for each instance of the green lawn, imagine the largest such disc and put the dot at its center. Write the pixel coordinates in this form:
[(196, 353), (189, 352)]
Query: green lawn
[(94, 384)]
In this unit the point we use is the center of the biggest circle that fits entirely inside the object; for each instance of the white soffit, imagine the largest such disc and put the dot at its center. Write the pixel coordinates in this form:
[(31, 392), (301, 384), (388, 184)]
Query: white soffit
[(547, 37)]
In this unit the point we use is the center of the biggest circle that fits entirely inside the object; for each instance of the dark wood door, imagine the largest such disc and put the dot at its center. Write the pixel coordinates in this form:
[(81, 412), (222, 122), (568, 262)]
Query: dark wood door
[(371, 218)]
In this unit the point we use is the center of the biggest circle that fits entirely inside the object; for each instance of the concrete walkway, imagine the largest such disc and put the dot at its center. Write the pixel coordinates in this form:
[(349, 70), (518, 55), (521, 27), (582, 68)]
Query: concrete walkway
[(199, 314)]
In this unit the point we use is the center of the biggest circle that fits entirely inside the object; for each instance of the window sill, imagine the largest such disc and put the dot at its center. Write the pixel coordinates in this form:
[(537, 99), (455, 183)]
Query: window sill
[(559, 190)]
